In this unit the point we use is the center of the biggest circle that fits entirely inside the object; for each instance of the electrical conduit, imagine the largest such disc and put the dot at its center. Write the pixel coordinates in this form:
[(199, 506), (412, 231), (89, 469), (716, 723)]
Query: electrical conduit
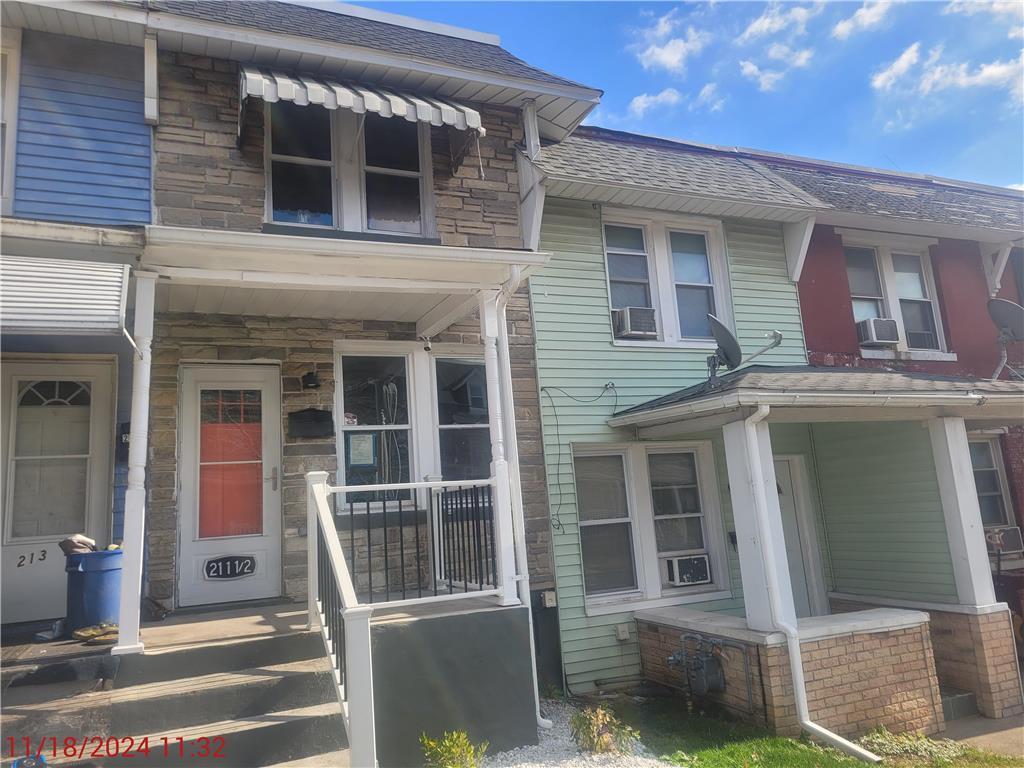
[(512, 455), (771, 572)]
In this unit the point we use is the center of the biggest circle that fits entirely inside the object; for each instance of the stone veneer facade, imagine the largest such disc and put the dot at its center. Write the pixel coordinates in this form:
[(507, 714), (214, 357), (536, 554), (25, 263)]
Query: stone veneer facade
[(855, 682), (297, 346), (202, 179)]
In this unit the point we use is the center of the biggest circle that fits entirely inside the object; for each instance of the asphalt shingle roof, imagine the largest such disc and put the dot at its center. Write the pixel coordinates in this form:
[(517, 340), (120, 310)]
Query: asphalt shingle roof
[(320, 24), (906, 197), (809, 378), (600, 155)]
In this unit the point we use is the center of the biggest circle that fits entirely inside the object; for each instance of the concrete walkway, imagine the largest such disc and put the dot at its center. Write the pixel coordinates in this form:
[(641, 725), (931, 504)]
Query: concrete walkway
[(1005, 737)]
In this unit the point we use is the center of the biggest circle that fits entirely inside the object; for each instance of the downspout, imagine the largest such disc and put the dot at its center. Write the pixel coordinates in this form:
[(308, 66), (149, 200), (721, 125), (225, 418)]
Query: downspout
[(512, 455), (771, 572)]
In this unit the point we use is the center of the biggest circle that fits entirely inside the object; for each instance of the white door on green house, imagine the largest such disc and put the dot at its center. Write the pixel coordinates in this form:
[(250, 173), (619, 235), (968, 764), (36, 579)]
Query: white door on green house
[(230, 464), (801, 538), (58, 445)]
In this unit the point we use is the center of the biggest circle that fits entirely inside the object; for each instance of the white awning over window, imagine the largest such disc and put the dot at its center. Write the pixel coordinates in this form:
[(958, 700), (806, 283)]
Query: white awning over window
[(304, 90), (62, 296)]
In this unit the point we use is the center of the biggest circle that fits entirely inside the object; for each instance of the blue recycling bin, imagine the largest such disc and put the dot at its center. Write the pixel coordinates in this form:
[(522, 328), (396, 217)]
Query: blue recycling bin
[(94, 588)]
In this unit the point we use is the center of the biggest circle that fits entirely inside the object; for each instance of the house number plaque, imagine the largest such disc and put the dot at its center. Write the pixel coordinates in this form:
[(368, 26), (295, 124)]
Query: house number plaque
[(228, 567)]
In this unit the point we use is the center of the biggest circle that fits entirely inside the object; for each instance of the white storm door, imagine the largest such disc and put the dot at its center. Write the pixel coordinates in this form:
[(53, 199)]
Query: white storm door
[(230, 459), (57, 476)]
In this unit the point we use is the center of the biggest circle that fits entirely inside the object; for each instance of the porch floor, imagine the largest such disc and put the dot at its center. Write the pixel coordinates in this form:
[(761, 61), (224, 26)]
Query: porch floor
[(215, 625)]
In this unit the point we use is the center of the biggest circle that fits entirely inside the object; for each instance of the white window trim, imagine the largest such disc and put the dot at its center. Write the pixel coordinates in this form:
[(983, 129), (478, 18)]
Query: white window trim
[(11, 45), (349, 177), (884, 246), (421, 385), (662, 283), (997, 460), (649, 592)]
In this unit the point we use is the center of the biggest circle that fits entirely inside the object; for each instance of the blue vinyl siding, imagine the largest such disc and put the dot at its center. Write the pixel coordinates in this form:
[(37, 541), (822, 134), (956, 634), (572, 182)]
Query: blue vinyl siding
[(84, 151)]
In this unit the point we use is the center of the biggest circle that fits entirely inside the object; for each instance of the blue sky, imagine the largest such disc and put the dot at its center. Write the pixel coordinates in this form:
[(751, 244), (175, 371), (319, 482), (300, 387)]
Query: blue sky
[(931, 87)]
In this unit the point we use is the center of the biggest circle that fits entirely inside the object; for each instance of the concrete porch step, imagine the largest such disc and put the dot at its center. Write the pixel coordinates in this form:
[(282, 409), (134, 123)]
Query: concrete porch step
[(957, 704)]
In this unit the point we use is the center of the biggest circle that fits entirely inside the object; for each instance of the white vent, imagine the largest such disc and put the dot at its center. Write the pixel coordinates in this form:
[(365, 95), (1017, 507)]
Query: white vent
[(635, 323), (687, 571), (878, 332)]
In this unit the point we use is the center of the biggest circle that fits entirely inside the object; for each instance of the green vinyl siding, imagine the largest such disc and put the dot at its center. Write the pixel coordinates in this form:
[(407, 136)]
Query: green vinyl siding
[(883, 515), (576, 358)]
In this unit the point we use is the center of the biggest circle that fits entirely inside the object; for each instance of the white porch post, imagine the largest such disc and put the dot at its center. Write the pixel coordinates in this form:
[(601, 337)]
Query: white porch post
[(963, 514), (503, 529), (752, 486), (133, 543)]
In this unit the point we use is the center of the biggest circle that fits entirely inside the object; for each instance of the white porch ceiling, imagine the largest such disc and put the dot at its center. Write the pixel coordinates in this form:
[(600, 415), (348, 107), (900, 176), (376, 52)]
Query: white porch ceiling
[(315, 304)]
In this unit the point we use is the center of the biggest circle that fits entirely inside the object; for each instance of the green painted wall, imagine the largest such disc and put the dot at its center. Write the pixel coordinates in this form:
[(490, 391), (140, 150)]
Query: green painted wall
[(575, 353), (882, 511)]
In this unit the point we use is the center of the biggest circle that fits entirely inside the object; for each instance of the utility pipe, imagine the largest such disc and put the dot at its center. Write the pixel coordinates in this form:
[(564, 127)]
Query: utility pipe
[(771, 573), (512, 455)]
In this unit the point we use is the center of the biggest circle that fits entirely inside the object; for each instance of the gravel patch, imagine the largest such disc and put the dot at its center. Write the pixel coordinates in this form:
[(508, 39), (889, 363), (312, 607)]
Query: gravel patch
[(557, 749)]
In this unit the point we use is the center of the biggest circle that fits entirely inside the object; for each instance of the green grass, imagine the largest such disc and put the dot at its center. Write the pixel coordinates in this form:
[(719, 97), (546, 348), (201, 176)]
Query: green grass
[(696, 741)]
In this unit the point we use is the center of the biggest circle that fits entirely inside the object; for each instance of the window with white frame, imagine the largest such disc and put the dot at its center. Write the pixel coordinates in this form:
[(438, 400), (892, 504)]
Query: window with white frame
[(990, 481), (676, 266), (894, 280), (649, 522), (606, 525), (390, 431), (332, 168)]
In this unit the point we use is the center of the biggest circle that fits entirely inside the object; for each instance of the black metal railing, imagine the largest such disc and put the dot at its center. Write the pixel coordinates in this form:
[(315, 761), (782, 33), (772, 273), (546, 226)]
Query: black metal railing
[(331, 608), (399, 549)]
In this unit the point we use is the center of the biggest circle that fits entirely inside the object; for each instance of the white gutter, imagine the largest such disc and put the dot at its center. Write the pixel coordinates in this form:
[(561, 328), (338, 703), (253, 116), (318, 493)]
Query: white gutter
[(516, 276), (771, 572)]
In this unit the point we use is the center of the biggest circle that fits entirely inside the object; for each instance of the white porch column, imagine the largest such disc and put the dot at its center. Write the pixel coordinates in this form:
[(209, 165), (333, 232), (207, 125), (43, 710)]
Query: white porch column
[(753, 488), (503, 530), (133, 543), (963, 514)]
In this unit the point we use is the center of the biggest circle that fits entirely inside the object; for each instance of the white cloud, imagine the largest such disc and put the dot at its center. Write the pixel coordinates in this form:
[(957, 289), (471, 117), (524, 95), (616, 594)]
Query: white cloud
[(778, 18), (766, 79), (1002, 75), (639, 105), (785, 54), (868, 16), (671, 54), (1018, 187), (886, 78), (708, 98), (1011, 11)]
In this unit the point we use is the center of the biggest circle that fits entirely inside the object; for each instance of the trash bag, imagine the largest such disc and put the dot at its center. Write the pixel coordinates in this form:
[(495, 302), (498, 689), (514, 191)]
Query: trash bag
[(77, 544)]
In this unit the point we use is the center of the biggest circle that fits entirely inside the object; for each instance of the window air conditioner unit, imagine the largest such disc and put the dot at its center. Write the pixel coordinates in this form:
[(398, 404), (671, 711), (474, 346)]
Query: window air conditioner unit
[(635, 323), (1005, 539), (878, 332), (688, 571)]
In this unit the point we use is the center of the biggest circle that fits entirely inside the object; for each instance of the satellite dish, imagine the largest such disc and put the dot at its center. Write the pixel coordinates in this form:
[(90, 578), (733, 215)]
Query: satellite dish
[(728, 354), (1009, 319)]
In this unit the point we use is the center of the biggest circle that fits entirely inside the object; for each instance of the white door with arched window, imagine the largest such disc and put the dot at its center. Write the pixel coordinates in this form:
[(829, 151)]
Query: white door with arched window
[(58, 442)]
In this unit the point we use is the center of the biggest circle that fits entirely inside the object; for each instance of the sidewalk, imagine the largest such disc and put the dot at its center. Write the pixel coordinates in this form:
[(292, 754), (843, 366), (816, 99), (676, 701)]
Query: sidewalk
[(1005, 737)]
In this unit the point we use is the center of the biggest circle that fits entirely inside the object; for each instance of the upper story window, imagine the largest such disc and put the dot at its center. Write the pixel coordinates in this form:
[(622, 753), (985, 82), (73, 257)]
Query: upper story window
[(362, 173), (10, 62), (649, 522), (891, 277), (676, 268)]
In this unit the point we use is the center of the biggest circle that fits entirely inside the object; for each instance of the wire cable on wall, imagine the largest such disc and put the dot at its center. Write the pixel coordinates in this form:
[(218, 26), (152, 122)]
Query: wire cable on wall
[(556, 521)]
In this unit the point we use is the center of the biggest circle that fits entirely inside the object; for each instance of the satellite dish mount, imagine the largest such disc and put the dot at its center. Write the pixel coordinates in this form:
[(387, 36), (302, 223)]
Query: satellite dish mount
[(1009, 319), (728, 354)]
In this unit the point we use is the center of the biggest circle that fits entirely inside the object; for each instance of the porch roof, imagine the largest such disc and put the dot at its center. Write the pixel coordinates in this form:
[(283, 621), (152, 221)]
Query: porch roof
[(811, 393)]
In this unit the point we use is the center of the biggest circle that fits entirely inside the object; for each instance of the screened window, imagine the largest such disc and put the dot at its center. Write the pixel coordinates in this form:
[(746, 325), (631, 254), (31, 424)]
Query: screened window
[(376, 427), (865, 285), (694, 287), (301, 167), (628, 270), (990, 481), (464, 435), (606, 528), (675, 499), (915, 303)]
